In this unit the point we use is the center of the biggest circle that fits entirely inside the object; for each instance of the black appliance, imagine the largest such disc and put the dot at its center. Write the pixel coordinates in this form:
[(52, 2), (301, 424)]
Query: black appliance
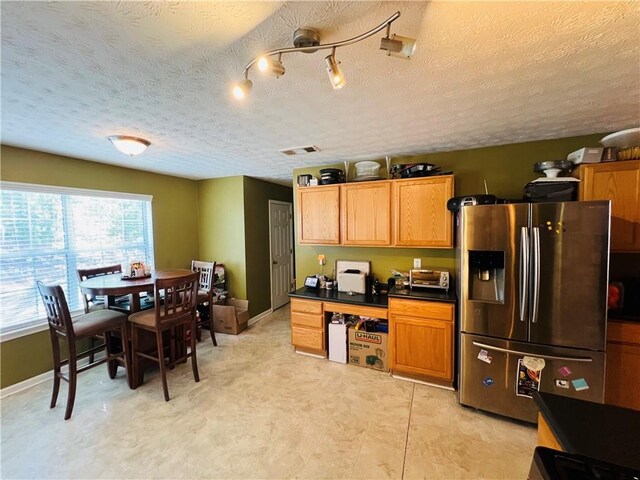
[(329, 176), (549, 464), (454, 204), (554, 191)]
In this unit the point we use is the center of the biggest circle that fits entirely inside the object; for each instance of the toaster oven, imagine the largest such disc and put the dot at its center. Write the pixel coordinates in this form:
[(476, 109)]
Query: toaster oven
[(429, 279)]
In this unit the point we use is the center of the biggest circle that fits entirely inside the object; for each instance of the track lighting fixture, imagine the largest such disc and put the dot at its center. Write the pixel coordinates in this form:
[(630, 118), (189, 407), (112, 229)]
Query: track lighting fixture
[(307, 40), (335, 74)]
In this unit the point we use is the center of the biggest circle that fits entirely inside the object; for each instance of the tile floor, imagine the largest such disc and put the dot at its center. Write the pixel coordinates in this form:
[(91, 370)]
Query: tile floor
[(259, 411)]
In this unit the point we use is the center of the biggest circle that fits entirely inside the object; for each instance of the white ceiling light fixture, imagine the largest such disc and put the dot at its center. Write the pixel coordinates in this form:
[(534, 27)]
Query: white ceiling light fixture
[(129, 145), (307, 40)]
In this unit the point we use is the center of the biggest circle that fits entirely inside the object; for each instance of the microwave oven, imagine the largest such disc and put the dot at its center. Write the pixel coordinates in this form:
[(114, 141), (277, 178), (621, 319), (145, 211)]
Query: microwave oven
[(429, 279)]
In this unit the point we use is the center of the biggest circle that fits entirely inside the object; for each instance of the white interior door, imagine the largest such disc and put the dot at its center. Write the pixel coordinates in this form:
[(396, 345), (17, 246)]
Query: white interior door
[(280, 232)]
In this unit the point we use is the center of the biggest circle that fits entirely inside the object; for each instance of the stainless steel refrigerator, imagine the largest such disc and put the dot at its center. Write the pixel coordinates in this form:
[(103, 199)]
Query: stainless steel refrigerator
[(532, 285)]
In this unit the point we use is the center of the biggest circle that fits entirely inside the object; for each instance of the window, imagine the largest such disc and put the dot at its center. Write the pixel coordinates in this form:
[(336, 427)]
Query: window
[(47, 233)]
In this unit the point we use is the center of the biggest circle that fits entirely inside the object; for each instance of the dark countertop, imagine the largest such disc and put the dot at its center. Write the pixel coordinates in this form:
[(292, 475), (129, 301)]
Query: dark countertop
[(373, 300), (603, 432), (432, 295), (340, 297)]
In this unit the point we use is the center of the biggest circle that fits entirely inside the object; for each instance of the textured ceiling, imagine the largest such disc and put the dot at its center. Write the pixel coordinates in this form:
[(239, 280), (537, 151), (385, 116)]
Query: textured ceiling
[(484, 73)]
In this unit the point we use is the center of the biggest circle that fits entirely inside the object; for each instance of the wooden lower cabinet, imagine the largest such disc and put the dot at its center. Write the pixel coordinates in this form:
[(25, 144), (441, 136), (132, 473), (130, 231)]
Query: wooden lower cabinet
[(308, 326), (421, 339), (622, 385)]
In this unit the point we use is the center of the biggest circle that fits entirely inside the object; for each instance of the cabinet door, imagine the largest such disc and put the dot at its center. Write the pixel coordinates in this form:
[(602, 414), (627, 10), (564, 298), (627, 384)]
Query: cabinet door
[(307, 338), (422, 346), (421, 218), (620, 183), (365, 210), (622, 385), (318, 212)]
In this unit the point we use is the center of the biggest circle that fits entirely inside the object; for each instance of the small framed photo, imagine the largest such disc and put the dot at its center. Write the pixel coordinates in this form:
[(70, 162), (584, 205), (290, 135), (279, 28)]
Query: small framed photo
[(312, 282)]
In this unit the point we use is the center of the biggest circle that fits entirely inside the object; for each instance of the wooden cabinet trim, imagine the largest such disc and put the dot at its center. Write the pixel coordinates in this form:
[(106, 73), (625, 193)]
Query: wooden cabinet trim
[(350, 309), (623, 332)]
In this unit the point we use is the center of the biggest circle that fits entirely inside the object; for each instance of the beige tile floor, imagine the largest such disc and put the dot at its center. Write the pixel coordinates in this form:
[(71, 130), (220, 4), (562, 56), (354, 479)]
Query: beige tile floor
[(259, 411)]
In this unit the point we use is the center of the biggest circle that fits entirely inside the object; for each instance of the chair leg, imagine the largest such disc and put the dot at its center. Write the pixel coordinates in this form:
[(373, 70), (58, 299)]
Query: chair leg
[(163, 366), (91, 345), (126, 353), (112, 366), (73, 376), (55, 346), (213, 335), (134, 358), (194, 361)]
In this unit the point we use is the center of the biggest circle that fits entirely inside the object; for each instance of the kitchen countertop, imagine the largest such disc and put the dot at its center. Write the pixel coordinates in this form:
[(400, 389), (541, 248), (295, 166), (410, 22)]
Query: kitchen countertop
[(373, 300), (432, 295), (603, 432), (340, 297)]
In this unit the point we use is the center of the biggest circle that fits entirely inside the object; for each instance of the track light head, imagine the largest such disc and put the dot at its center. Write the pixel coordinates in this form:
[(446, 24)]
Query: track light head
[(398, 46), (271, 66), (242, 89), (336, 77)]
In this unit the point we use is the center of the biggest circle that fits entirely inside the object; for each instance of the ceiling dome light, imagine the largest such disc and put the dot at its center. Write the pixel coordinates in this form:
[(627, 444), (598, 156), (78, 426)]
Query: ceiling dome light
[(129, 145), (336, 77), (242, 89)]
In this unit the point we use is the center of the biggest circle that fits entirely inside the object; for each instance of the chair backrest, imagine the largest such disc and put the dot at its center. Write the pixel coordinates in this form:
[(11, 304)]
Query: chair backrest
[(55, 304), (86, 273), (176, 298), (206, 271)]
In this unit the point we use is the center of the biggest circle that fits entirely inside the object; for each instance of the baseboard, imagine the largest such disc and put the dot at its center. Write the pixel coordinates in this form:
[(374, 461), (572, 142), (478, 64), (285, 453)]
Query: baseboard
[(25, 384), (259, 317), (414, 380)]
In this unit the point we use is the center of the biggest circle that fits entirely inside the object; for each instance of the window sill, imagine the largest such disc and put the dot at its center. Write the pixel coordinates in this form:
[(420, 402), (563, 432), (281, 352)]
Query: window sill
[(36, 326)]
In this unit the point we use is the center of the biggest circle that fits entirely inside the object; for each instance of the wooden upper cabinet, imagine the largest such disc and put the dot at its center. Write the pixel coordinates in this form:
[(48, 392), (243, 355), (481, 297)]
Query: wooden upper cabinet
[(620, 183), (365, 210), (318, 212), (421, 218)]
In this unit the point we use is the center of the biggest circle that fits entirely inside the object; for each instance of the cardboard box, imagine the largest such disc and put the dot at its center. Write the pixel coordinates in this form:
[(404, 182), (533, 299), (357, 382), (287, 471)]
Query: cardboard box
[(231, 318), (368, 349)]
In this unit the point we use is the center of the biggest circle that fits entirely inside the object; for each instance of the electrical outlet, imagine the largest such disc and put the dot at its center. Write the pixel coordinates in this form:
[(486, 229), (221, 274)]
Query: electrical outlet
[(417, 263)]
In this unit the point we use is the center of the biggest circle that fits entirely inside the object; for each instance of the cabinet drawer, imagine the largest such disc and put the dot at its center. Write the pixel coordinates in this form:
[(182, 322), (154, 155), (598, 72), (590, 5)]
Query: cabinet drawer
[(310, 338), (349, 309), (306, 320), (623, 332), (421, 308), (306, 306)]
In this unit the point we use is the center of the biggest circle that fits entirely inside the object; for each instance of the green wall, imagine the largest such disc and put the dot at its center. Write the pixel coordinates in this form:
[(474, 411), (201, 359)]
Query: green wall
[(234, 230), (221, 234), (257, 194), (506, 168), (175, 229)]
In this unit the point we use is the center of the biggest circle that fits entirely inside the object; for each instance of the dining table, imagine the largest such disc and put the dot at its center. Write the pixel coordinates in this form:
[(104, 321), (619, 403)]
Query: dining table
[(116, 285)]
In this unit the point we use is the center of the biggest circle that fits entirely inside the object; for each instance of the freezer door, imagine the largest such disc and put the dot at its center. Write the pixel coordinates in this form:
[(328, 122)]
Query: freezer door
[(569, 274), (496, 229), (494, 378)]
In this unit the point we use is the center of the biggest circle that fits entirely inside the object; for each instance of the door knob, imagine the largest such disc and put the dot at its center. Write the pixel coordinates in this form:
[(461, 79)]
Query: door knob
[(275, 263)]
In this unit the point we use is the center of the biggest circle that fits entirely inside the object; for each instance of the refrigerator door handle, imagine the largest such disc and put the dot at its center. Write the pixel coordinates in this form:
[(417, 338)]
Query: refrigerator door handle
[(536, 275), (524, 270), (517, 352)]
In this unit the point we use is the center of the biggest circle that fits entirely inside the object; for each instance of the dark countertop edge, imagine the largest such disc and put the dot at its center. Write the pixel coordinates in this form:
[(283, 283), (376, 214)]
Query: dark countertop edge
[(594, 449), (424, 294), (339, 297)]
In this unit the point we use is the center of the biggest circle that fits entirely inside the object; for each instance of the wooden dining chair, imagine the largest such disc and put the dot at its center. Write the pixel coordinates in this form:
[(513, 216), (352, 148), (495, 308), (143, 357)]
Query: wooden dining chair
[(98, 302), (206, 291), (71, 331), (174, 311)]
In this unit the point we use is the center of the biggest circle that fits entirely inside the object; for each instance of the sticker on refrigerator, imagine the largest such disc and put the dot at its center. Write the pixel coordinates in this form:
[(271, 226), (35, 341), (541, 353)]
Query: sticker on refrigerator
[(484, 356), (561, 383), (528, 381), (487, 382), (564, 371), (580, 384), (534, 363)]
